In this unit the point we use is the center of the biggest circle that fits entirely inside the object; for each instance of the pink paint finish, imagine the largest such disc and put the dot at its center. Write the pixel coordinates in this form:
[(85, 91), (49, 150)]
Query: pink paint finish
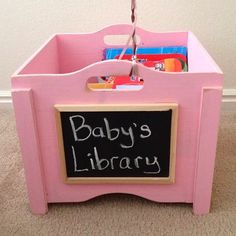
[(208, 129), (28, 135), (58, 73)]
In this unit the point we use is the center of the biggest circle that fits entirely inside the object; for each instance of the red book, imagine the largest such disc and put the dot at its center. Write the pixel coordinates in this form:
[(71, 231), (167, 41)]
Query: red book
[(153, 57)]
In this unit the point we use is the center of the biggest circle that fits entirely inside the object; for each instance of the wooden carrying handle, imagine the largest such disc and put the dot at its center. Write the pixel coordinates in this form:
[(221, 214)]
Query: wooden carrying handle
[(147, 38), (119, 67), (122, 29), (116, 29)]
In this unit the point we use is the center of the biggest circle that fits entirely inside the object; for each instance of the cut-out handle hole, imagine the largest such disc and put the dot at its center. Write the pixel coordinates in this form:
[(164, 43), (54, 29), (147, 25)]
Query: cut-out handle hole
[(115, 83), (119, 40)]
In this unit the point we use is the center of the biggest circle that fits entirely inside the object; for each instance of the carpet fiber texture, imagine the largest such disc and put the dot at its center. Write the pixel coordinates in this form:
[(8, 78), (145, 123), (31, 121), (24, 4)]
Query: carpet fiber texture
[(116, 214)]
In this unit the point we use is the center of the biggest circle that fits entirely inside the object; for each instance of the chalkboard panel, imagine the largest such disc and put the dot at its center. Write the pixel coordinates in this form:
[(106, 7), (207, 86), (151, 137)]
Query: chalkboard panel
[(117, 143)]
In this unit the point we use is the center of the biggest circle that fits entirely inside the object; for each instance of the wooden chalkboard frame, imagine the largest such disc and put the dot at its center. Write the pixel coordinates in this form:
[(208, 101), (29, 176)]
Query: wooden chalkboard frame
[(119, 107)]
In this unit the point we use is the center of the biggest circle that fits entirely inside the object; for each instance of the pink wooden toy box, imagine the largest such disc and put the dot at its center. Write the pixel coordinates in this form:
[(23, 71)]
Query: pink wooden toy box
[(57, 74)]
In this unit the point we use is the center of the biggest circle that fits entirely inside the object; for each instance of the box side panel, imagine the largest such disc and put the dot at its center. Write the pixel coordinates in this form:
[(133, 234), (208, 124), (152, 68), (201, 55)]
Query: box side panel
[(199, 61), (44, 61), (66, 53), (78, 51), (183, 89)]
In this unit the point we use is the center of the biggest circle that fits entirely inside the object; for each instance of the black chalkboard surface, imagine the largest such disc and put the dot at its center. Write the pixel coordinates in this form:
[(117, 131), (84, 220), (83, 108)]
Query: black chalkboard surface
[(117, 143)]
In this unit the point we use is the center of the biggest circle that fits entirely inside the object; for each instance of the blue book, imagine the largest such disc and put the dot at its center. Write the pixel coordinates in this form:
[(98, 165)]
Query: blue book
[(111, 53)]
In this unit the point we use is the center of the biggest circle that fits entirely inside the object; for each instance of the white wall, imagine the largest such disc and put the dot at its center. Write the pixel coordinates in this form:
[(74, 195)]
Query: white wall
[(25, 24)]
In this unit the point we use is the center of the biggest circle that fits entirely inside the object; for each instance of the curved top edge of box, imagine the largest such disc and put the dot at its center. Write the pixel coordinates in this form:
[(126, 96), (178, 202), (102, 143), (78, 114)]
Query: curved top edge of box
[(105, 30), (125, 27), (122, 63)]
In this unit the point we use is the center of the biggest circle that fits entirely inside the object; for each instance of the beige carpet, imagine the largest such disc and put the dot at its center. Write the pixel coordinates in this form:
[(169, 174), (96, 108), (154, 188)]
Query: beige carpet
[(116, 214)]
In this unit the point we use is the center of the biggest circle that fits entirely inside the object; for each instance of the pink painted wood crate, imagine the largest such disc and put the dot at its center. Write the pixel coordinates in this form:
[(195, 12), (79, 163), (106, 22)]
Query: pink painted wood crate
[(57, 74)]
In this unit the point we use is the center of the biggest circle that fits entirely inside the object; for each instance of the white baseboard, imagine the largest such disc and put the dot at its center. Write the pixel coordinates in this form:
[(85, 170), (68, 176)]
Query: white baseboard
[(228, 100), (5, 96)]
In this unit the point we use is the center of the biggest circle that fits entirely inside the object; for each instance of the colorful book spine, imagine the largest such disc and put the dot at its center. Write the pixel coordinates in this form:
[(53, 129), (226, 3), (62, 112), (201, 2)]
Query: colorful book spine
[(111, 53)]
